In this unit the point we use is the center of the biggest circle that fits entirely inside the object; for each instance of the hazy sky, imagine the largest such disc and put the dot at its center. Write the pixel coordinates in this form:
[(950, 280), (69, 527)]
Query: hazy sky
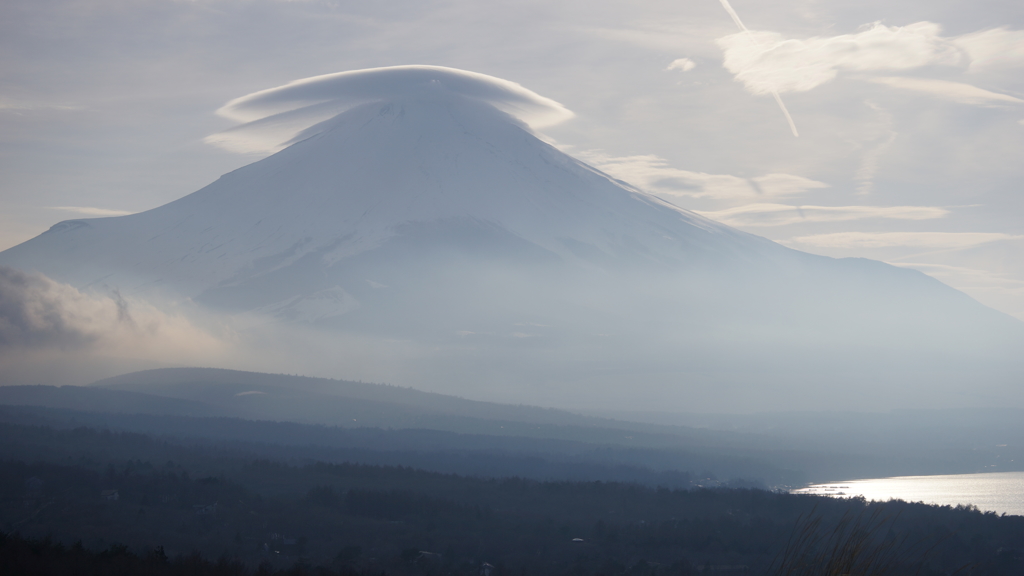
[(910, 115)]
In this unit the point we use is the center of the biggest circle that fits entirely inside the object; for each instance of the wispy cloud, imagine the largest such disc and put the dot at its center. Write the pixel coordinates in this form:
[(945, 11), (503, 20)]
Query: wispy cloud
[(91, 211), (908, 239), (756, 46), (993, 49), (14, 105), (955, 91), (882, 137), (682, 64), (654, 174), (776, 64), (782, 214), (652, 37)]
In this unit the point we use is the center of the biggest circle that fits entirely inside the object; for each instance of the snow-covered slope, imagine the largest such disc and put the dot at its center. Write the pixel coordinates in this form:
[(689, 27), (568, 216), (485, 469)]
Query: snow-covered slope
[(357, 182), (431, 214)]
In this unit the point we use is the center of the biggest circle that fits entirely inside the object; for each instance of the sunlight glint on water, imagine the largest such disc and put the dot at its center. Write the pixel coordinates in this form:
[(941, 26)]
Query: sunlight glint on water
[(1000, 492)]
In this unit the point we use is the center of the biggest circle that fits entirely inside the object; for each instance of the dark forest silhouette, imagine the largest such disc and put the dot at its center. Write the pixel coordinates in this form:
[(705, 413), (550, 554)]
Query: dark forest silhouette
[(362, 519)]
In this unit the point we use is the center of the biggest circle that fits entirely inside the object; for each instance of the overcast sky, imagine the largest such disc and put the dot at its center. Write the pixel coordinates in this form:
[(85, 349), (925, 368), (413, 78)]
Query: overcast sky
[(910, 115)]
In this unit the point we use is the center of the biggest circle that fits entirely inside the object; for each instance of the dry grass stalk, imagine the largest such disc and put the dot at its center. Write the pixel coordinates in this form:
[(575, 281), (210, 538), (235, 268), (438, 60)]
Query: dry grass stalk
[(862, 543)]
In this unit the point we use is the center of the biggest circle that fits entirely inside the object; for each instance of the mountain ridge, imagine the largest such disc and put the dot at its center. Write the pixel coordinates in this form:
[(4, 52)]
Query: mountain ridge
[(203, 405), (437, 221)]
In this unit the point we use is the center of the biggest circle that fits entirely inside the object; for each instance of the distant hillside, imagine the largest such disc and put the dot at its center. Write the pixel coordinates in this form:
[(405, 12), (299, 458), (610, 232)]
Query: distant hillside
[(258, 392), (349, 404), (283, 417), (102, 400), (211, 444)]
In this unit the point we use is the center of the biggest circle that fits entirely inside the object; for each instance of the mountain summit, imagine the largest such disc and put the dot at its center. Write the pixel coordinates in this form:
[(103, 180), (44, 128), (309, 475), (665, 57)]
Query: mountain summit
[(428, 211)]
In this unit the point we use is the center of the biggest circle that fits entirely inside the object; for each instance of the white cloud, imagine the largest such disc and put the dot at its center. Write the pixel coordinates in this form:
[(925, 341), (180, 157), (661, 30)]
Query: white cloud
[(955, 91), (654, 174), (905, 239), (782, 215), (39, 314), (882, 137), (651, 37), (91, 211), (12, 105), (784, 185), (272, 117), (682, 64), (767, 61), (995, 48)]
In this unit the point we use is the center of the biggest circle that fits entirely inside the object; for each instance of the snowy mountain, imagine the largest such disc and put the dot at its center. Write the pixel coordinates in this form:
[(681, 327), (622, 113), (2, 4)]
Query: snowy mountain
[(425, 169), (431, 214)]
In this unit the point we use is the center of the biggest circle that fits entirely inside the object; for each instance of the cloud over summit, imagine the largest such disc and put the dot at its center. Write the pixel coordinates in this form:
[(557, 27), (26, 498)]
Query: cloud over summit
[(272, 117)]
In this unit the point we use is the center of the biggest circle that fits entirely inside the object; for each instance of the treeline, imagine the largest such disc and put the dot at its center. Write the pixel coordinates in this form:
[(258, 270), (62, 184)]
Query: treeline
[(44, 557), (368, 519), (439, 451), (222, 511)]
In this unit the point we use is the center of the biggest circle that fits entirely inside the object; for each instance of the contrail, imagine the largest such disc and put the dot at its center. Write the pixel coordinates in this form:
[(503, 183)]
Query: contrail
[(735, 16), (775, 93), (785, 112)]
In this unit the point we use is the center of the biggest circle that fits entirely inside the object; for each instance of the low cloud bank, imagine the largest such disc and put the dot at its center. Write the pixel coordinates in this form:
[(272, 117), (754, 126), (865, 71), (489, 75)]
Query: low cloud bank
[(36, 311), (44, 322), (52, 333)]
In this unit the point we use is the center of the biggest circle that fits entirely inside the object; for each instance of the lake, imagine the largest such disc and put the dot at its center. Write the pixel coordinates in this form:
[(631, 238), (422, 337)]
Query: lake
[(1000, 492)]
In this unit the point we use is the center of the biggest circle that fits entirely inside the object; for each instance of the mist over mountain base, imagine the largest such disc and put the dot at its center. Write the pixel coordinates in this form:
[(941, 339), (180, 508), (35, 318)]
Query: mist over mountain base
[(422, 234)]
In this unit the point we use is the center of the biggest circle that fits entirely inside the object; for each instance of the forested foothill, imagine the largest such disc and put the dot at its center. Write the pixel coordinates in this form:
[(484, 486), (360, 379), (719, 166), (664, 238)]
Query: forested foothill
[(279, 416), (88, 501)]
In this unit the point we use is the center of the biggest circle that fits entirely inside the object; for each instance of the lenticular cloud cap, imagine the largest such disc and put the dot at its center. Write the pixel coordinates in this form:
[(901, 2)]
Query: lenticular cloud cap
[(272, 117)]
